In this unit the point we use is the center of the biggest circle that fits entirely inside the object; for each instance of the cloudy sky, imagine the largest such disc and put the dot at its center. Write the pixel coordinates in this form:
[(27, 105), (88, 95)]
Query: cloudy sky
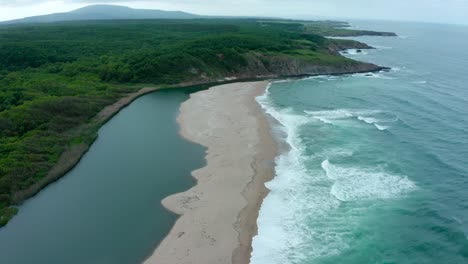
[(444, 11)]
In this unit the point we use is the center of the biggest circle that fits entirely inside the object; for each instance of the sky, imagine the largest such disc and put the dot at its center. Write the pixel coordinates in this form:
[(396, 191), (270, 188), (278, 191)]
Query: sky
[(438, 11)]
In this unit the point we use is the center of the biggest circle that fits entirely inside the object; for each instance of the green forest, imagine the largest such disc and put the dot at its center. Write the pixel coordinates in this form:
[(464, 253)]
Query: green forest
[(55, 78)]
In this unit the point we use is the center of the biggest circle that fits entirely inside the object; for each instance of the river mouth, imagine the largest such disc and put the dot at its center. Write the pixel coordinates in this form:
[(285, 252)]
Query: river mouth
[(108, 208)]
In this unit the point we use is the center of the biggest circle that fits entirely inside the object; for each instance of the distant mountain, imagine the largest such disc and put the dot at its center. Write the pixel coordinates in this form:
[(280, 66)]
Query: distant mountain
[(105, 12)]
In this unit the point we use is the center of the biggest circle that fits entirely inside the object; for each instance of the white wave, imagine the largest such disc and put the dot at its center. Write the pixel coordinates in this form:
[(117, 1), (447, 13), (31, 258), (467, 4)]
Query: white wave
[(353, 184), (379, 75), (335, 152), (373, 117), (342, 113), (300, 195), (381, 127), (354, 52), (420, 82), (284, 81), (284, 234), (368, 120), (331, 77), (374, 121), (313, 77), (329, 116)]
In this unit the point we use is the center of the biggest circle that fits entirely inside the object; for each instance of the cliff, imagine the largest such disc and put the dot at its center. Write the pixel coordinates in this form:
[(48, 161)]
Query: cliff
[(286, 66)]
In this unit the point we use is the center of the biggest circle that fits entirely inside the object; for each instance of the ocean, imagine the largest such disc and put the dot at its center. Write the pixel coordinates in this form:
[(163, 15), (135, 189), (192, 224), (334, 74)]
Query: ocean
[(375, 168)]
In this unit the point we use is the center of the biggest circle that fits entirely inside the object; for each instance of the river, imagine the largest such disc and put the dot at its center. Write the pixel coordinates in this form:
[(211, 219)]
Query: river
[(108, 208)]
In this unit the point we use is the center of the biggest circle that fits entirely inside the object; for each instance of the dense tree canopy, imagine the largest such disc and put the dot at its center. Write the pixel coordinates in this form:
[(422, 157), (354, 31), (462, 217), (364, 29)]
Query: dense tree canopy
[(56, 77)]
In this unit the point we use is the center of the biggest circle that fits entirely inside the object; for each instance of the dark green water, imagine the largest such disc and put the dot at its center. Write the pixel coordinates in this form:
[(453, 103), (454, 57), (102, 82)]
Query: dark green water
[(107, 209)]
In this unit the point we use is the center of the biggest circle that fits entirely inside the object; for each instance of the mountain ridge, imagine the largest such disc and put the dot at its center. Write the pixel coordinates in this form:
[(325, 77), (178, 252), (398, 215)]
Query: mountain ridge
[(104, 12)]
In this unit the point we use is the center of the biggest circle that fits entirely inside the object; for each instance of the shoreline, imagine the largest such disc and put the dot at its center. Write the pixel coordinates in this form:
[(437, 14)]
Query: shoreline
[(218, 215), (256, 191), (72, 155)]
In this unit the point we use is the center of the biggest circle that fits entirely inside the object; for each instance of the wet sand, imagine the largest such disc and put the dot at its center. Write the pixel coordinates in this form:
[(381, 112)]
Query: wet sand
[(218, 215)]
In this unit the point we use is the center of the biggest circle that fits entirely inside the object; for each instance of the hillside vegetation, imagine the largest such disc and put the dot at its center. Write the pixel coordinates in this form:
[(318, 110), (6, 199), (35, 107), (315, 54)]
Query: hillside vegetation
[(55, 78)]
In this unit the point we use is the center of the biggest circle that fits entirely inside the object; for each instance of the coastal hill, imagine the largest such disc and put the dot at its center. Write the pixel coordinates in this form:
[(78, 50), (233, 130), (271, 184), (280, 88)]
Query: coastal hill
[(57, 80), (104, 12), (116, 12)]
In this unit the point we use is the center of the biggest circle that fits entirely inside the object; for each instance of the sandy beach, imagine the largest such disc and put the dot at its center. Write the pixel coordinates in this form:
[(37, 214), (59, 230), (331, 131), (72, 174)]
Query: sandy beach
[(218, 215)]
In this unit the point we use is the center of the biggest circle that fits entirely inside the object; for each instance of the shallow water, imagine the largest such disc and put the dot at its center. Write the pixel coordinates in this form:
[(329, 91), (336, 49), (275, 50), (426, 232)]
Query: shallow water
[(377, 171), (108, 208)]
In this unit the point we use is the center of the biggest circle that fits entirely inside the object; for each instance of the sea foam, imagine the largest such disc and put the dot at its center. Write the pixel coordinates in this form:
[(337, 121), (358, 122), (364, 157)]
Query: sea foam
[(381, 127), (354, 52), (299, 219), (379, 119), (377, 75), (284, 235), (351, 183)]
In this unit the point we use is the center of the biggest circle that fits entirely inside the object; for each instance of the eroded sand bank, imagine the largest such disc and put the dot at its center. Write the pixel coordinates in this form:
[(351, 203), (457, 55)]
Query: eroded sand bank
[(218, 215)]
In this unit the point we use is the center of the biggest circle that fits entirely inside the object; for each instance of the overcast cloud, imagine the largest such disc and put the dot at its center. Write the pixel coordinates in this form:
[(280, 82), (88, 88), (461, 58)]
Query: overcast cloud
[(445, 11)]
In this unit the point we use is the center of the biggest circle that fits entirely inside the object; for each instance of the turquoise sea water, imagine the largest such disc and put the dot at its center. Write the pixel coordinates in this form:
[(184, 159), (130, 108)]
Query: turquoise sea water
[(377, 165)]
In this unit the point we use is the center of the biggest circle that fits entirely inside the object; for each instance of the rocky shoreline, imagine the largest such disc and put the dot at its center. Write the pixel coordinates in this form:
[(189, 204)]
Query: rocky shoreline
[(284, 69), (259, 67)]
